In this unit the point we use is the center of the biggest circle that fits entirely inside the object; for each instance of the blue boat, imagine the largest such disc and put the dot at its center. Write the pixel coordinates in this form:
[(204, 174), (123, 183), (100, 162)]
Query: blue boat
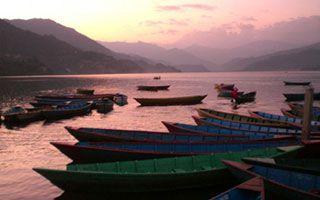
[(245, 127), (252, 189), (187, 128), (116, 135), (85, 152), (293, 121), (279, 182)]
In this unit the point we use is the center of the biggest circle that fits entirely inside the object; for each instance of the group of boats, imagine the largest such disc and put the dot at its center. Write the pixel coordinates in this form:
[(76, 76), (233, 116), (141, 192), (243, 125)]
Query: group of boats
[(53, 107), (298, 96), (261, 151), (230, 91)]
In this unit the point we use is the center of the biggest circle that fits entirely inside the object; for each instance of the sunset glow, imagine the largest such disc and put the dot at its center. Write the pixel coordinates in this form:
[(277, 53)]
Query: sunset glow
[(155, 20)]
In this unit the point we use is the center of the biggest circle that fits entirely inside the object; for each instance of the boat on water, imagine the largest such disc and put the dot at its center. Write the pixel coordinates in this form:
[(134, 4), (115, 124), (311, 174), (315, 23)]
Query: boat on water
[(187, 100), (157, 77), (211, 113), (279, 182), (227, 93), (297, 122), (120, 99), (223, 86), (88, 152), (114, 135), (246, 97), (252, 189), (85, 91), (289, 113), (166, 174), (66, 97), (297, 110), (153, 88), (103, 105), (295, 83), (299, 96), (17, 115), (247, 127), (71, 110)]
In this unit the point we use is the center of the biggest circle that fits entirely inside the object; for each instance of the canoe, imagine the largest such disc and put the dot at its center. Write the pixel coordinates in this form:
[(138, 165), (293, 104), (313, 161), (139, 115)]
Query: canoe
[(289, 113), (245, 127), (114, 135), (71, 110), (300, 96), (297, 122), (296, 83), (188, 100), (153, 88), (227, 93), (252, 189), (86, 152), (103, 105), (85, 91), (246, 97), (297, 109), (150, 175), (187, 128), (279, 182), (17, 115), (211, 113), (76, 96), (120, 99)]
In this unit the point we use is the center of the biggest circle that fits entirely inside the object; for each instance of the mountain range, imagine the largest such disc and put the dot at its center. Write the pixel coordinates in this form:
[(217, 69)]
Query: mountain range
[(39, 51)]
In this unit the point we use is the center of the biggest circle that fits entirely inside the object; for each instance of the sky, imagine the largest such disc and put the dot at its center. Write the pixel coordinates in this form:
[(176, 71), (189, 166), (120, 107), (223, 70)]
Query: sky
[(157, 21)]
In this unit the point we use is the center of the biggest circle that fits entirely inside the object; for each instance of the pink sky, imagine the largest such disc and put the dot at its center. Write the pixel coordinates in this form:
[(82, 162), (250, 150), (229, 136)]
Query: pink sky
[(158, 21)]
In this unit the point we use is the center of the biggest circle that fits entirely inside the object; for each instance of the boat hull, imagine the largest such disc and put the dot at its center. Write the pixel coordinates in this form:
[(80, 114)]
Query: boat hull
[(191, 100)]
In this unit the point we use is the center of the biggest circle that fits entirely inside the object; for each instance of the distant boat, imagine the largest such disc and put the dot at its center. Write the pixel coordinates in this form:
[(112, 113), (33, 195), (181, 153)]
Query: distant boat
[(85, 91), (153, 88), (296, 83), (187, 100), (103, 105), (69, 97), (120, 99), (299, 96), (223, 86), (17, 115), (157, 77)]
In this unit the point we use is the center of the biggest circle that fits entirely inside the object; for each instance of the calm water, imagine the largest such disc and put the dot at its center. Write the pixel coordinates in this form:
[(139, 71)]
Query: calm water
[(27, 147)]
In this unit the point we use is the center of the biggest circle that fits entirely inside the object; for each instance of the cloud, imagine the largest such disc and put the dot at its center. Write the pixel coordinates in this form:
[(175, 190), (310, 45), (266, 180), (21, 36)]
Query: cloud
[(182, 7), (166, 32), (171, 21), (249, 19)]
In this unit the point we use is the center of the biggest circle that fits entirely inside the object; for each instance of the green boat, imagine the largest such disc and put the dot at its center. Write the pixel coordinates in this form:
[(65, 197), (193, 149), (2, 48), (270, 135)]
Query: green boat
[(210, 113), (156, 175)]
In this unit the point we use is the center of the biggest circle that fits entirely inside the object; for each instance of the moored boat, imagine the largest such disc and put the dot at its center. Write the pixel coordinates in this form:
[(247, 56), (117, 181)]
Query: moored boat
[(296, 83), (165, 174), (71, 110), (153, 88), (16, 115), (297, 110), (246, 127), (223, 86), (114, 135), (288, 113), (103, 105), (85, 91), (279, 182), (299, 96), (86, 152), (297, 122), (246, 97), (75, 96), (187, 100), (211, 113), (120, 99)]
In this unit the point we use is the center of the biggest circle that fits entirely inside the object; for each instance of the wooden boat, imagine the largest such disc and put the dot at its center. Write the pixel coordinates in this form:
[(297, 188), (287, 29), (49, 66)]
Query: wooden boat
[(279, 182), (252, 189), (120, 99), (288, 113), (85, 91), (71, 110), (114, 135), (76, 97), (246, 97), (297, 110), (86, 152), (223, 86), (245, 127), (300, 96), (297, 122), (211, 113), (296, 83), (16, 115), (165, 174), (157, 77), (153, 88), (103, 105), (188, 100)]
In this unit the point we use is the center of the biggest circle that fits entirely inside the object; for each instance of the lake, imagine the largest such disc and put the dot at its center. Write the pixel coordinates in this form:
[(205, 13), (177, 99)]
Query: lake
[(23, 148)]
